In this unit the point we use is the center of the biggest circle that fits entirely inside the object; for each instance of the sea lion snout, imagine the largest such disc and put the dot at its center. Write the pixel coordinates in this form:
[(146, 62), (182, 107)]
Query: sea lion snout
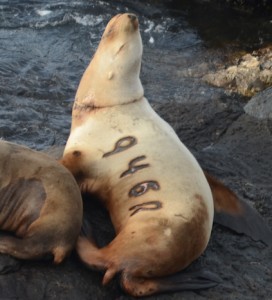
[(132, 17), (134, 20), (127, 22), (121, 23)]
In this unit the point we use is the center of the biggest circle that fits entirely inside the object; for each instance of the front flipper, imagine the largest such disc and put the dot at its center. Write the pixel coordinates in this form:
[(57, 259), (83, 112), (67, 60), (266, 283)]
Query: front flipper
[(90, 254), (237, 214), (181, 281)]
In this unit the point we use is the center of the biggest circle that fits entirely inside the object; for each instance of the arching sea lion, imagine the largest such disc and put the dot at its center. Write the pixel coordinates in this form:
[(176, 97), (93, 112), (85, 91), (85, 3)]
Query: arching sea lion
[(40, 204), (119, 149)]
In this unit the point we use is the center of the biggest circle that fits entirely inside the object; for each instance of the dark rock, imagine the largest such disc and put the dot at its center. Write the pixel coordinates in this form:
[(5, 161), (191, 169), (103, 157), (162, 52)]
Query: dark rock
[(9, 264), (249, 6), (231, 145)]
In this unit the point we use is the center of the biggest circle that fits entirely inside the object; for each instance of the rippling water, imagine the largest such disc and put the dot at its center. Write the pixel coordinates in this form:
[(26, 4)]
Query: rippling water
[(46, 45)]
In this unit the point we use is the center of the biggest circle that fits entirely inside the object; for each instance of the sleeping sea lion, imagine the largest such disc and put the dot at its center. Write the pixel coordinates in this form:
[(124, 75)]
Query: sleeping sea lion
[(40, 205), (158, 198)]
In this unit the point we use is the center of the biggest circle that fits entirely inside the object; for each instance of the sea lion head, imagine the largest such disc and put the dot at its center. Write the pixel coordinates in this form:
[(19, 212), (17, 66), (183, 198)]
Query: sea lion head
[(112, 78)]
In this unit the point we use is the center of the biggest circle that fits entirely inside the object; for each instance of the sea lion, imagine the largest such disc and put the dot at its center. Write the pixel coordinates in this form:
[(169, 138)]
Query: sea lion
[(158, 198), (40, 205)]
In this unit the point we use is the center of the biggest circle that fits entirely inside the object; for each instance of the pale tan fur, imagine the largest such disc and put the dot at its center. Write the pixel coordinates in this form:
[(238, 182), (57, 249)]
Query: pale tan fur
[(174, 227)]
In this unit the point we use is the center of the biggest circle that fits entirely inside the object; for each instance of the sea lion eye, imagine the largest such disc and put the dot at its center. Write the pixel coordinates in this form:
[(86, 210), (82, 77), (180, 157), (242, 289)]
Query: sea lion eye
[(120, 49), (109, 33)]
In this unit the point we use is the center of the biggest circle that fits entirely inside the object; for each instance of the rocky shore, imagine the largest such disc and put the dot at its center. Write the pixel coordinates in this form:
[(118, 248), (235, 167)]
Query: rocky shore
[(248, 75)]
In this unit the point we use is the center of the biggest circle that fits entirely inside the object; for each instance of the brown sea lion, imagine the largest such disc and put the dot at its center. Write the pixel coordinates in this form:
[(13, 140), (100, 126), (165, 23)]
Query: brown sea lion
[(157, 195), (40, 205)]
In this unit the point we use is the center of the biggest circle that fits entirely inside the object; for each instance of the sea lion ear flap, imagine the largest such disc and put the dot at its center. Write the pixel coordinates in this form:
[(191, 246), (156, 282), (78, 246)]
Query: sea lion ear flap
[(237, 214)]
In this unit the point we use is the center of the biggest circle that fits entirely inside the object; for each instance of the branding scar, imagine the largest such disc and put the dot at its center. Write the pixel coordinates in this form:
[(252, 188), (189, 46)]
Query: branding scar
[(143, 187), (122, 145), (151, 205), (133, 168)]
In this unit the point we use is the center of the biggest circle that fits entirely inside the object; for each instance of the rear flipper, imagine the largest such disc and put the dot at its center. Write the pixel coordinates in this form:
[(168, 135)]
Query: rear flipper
[(184, 280), (29, 248), (237, 214), (104, 259)]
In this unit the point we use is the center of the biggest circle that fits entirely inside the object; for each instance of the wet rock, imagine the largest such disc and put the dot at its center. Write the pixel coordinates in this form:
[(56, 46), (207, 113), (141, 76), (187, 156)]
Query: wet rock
[(195, 71), (249, 75), (260, 106), (231, 145), (9, 264)]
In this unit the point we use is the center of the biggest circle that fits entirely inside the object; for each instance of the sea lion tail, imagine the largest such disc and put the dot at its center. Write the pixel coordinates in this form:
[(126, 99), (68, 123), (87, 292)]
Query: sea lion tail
[(236, 214)]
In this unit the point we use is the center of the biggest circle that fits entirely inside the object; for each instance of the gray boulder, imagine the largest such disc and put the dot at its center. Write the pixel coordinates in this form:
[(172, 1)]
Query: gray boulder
[(260, 106), (249, 74)]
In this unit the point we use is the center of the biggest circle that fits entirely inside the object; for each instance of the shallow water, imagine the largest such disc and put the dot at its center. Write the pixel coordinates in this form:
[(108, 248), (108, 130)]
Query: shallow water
[(45, 47)]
